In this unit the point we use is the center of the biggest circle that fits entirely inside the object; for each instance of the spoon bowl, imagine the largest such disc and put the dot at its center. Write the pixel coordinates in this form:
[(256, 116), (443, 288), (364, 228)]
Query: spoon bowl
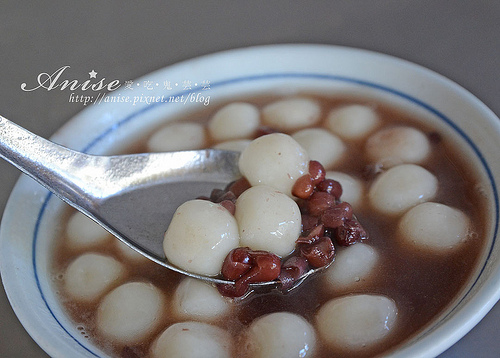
[(132, 196)]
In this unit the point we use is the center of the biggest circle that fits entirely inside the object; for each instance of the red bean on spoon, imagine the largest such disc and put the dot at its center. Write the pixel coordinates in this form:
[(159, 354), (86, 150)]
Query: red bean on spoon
[(319, 202), (317, 172), (320, 253), (237, 263), (303, 187)]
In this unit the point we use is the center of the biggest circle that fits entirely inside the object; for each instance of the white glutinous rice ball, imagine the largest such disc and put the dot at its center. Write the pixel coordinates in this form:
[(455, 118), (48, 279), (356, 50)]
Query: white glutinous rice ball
[(397, 145), (90, 275), (130, 254), (353, 265), (83, 233), (280, 335), (234, 121), (197, 300), (291, 113), (200, 236), (131, 312), (401, 188), (352, 121), (276, 160), (192, 340), (268, 220), (434, 226), (177, 136), (238, 145), (352, 188), (321, 145), (356, 322)]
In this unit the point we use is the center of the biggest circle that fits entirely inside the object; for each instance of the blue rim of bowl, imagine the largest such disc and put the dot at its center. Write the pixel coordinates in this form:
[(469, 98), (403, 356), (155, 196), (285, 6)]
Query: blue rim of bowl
[(273, 76)]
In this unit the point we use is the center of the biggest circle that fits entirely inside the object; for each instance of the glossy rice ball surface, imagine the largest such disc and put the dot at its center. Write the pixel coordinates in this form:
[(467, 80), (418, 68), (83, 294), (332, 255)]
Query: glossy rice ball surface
[(268, 220), (192, 340), (200, 236), (355, 322), (434, 226), (402, 187), (130, 312), (275, 160), (281, 335)]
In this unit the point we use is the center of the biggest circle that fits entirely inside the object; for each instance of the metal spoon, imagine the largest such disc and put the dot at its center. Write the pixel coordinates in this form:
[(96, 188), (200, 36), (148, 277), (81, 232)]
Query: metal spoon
[(132, 196)]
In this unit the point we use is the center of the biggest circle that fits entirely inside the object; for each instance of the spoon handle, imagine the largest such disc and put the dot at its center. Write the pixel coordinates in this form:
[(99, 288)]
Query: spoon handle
[(52, 165)]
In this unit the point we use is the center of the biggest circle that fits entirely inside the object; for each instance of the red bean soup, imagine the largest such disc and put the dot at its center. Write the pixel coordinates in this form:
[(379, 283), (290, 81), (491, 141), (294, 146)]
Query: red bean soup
[(412, 205)]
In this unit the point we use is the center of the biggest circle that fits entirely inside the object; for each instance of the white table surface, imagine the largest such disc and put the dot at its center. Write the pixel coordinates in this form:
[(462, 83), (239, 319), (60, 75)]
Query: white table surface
[(126, 39)]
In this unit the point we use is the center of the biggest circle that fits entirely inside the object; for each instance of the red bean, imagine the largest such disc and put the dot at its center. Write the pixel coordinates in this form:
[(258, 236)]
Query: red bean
[(215, 194), (229, 205), (237, 263), (308, 223), (246, 266), (266, 267), (303, 205), (320, 253), (291, 271), (238, 186), (330, 186), (303, 187), (220, 195), (233, 290), (336, 216), (317, 172), (296, 262), (350, 233), (319, 202), (313, 235)]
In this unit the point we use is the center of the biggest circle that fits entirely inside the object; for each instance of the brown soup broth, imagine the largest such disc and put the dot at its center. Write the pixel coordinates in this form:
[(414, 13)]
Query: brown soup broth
[(423, 285)]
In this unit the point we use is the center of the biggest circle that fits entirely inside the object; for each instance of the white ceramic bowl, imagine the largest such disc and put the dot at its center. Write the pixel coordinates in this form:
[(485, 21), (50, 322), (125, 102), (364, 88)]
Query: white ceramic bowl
[(31, 220)]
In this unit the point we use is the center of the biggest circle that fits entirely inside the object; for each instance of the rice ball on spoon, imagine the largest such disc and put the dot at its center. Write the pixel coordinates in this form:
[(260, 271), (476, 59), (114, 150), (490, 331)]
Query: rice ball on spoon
[(275, 160), (200, 236)]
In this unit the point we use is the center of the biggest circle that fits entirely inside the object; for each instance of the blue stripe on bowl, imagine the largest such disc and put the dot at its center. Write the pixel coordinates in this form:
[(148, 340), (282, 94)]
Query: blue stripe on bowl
[(273, 76)]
